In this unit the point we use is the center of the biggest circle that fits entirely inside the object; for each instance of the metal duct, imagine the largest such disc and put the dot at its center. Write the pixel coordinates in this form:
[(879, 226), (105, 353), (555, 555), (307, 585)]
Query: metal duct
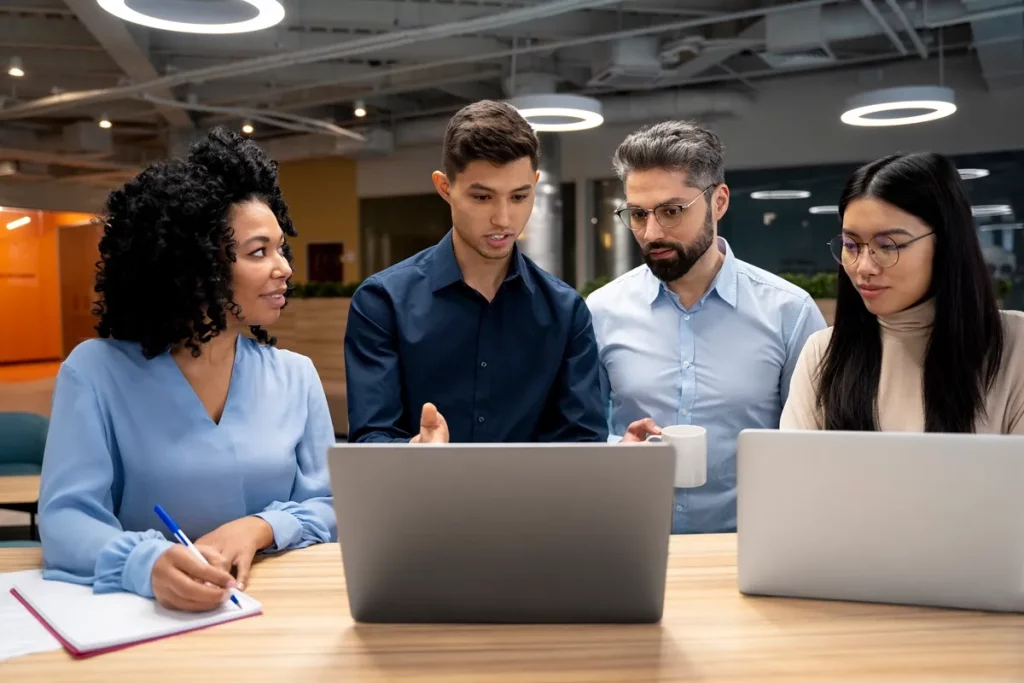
[(999, 43), (542, 238)]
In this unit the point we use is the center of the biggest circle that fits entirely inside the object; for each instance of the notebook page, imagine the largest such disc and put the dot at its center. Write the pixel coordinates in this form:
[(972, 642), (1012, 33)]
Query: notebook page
[(91, 622), (20, 632)]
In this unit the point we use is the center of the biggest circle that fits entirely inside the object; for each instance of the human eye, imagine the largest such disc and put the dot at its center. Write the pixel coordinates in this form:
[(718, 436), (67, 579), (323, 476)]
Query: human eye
[(519, 197), (259, 253), (481, 197), (672, 210)]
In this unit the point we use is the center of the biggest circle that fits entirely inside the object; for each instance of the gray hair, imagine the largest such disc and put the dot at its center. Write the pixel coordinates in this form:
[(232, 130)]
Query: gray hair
[(674, 146)]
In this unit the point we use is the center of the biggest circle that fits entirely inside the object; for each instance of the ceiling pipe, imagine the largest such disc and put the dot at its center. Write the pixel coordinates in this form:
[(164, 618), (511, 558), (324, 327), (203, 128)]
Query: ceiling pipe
[(908, 26), (280, 119), (351, 48), (869, 5)]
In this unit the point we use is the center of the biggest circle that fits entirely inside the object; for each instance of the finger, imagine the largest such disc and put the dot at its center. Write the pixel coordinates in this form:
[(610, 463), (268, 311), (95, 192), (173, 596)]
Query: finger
[(188, 591), (641, 428), (190, 565), (175, 601), (215, 558), (428, 418), (244, 563)]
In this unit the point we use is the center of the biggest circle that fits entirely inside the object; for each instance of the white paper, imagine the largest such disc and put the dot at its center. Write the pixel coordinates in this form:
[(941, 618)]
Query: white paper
[(90, 622), (20, 632)]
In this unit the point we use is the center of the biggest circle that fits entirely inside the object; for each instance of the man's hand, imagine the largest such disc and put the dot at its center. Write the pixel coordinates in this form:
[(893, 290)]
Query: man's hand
[(433, 428), (640, 430), (238, 542), (182, 581)]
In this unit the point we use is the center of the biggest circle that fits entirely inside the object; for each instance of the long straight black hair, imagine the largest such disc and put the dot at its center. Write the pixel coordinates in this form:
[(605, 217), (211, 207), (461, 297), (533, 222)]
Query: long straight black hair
[(966, 345)]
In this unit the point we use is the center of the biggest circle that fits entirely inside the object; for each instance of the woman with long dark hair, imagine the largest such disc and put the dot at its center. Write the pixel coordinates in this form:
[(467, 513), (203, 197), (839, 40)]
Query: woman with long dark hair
[(919, 342)]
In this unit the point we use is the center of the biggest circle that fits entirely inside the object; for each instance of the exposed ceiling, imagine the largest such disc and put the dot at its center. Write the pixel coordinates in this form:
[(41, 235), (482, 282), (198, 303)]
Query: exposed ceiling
[(414, 62)]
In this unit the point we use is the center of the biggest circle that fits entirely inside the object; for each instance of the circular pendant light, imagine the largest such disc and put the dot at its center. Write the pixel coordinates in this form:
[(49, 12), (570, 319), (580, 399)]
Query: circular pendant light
[(187, 16), (559, 113), (900, 106)]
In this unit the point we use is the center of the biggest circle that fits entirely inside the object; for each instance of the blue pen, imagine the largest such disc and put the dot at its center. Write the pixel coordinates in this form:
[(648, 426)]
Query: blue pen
[(180, 535)]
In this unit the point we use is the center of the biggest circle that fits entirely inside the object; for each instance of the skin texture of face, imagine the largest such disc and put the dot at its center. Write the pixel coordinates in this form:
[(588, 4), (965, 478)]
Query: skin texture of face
[(889, 290), (490, 204), (260, 272), (671, 253)]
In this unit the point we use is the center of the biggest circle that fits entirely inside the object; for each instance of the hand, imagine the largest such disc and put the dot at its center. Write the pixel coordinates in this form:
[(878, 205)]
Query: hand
[(181, 581), (433, 428), (238, 542), (640, 430)]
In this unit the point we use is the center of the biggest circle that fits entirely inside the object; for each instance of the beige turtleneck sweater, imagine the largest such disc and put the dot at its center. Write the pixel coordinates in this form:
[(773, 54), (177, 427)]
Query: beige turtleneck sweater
[(900, 396)]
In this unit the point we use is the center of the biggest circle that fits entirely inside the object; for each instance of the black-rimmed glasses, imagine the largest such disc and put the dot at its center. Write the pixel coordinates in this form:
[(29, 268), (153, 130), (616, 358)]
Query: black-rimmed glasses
[(667, 215), (884, 250)]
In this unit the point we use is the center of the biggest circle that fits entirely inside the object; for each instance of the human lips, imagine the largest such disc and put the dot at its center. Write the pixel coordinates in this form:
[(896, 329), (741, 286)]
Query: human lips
[(499, 239), (276, 297), (869, 291)]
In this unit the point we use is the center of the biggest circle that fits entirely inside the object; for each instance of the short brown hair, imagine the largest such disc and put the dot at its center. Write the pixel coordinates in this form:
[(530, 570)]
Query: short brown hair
[(489, 131)]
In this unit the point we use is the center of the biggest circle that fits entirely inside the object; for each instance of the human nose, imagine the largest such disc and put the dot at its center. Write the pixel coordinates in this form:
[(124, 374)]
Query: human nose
[(866, 264), (501, 214), (652, 229), (282, 269)]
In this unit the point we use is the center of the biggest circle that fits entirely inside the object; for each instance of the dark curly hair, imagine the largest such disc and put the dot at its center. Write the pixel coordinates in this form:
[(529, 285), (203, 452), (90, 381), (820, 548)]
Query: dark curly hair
[(164, 275)]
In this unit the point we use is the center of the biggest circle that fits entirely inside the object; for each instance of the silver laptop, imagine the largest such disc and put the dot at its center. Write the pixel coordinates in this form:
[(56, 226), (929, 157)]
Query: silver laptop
[(920, 519), (514, 533)]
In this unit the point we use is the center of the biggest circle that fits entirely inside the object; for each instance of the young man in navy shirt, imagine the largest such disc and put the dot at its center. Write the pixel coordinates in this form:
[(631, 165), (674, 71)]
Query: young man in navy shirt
[(469, 340)]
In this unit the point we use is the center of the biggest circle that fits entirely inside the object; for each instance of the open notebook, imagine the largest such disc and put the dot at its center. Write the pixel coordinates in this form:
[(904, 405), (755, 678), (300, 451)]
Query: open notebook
[(87, 624)]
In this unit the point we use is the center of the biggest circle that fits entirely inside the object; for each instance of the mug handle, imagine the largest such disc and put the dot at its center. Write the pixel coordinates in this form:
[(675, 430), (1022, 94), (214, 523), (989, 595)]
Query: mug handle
[(653, 437)]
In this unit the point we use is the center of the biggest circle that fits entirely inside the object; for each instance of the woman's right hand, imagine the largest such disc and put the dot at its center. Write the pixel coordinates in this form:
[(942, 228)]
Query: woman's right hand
[(181, 581)]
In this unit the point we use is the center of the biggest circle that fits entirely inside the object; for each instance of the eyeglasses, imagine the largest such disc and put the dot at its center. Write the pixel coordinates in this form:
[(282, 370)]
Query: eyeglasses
[(884, 250), (667, 215)]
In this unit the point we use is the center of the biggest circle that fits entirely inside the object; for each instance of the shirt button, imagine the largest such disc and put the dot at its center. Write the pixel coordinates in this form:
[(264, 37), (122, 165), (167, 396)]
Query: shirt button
[(483, 364), (685, 412), (480, 419), (686, 317), (686, 363), (679, 508)]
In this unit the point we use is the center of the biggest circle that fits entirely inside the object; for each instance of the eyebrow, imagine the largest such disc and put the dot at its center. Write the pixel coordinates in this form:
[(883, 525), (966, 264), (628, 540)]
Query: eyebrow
[(884, 233), (478, 186), (261, 239), (670, 200)]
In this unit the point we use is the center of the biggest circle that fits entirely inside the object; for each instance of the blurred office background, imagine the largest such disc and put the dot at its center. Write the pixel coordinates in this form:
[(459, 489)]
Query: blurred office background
[(352, 98)]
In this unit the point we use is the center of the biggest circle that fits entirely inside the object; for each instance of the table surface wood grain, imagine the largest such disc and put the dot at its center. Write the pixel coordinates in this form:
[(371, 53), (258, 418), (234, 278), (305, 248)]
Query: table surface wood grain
[(709, 632), (19, 489)]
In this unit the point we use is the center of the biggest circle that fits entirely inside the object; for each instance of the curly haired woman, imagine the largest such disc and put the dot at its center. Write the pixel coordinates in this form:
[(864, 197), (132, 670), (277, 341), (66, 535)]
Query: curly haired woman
[(175, 405)]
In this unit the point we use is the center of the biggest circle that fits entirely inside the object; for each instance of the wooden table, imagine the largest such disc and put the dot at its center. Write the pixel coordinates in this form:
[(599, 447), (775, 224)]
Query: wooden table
[(19, 489), (709, 632)]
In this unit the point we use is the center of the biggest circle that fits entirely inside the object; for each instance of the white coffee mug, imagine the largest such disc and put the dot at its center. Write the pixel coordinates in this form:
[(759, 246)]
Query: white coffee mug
[(691, 446)]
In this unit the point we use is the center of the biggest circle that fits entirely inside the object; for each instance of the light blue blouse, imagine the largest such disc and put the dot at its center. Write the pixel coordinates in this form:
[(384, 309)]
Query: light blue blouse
[(128, 433)]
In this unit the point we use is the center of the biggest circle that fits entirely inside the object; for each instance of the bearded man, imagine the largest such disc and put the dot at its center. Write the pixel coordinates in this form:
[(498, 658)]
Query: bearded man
[(694, 336)]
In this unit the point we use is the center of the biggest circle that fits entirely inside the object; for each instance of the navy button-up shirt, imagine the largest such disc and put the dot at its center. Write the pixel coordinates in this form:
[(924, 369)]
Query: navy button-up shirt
[(521, 368)]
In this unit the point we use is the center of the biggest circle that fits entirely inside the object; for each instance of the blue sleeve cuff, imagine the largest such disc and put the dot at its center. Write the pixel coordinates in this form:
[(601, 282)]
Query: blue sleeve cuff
[(126, 563), (287, 529), (614, 438)]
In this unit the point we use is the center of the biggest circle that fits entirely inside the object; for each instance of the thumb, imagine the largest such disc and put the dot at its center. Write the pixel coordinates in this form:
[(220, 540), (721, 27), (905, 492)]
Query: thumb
[(428, 419), (243, 563)]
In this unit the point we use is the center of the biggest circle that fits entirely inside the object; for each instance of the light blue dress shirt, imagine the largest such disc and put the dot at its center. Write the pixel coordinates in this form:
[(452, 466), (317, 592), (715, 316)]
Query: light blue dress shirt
[(725, 364), (128, 433)]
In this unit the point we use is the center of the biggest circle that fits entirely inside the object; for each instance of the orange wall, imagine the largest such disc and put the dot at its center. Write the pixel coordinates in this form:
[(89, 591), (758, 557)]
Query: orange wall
[(30, 285), (324, 206)]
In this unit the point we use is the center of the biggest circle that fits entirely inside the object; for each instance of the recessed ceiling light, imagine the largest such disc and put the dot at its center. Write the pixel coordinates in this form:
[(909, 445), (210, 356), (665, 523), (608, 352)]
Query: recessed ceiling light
[(248, 128), (884, 107), (360, 109), (972, 173), (269, 13), (780, 194), (992, 210), (15, 67), (821, 210), (559, 113), (104, 122), (17, 223)]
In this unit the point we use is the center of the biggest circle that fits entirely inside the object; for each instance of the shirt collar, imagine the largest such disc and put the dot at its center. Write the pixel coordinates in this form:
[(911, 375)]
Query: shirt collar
[(726, 283), (444, 270)]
